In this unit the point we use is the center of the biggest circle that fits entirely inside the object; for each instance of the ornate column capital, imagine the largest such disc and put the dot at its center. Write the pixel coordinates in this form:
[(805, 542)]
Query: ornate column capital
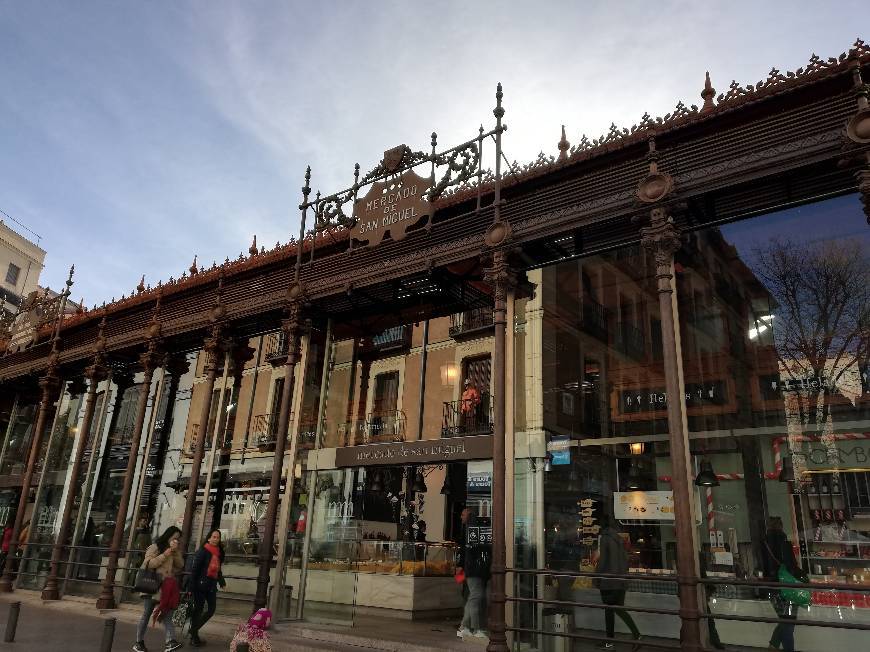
[(661, 236), (215, 346), (152, 357), (500, 275), (49, 383), (98, 369)]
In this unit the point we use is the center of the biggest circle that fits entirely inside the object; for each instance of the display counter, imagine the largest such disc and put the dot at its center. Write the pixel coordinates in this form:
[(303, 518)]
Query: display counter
[(387, 578), (385, 557)]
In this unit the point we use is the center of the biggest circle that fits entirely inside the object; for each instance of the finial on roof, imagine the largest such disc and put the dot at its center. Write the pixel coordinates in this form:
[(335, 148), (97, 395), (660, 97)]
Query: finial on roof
[(563, 146), (707, 94), (141, 287), (193, 269), (253, 248)]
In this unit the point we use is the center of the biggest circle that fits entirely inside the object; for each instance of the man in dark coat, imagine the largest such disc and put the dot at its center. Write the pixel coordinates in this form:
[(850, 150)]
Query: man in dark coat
[(613, 559), (474, 559)]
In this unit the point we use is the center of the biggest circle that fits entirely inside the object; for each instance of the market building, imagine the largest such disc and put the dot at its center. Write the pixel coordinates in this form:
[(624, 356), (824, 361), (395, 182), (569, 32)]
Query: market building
[(443, 337)]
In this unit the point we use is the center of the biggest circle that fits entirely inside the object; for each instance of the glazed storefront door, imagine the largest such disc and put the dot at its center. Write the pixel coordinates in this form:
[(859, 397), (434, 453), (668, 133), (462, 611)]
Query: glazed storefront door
[(329, 569)]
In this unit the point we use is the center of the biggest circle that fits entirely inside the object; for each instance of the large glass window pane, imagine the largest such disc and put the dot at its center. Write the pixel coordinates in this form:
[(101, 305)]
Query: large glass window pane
[(774, 329)]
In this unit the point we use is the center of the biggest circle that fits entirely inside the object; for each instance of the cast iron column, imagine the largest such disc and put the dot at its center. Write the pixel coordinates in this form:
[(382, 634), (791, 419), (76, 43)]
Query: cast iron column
[(149, 360), (215, 348), (500, 278), (662, 238), (291, 332), (95, 373), (49, 384)]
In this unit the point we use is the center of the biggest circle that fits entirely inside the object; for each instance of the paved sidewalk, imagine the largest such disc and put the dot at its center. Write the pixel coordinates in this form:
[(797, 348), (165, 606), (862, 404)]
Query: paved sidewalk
[(74, 625), (71, 625)]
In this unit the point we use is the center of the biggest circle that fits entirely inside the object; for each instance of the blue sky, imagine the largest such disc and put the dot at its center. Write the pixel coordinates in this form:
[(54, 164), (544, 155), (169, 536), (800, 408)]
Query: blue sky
[(134, 135)]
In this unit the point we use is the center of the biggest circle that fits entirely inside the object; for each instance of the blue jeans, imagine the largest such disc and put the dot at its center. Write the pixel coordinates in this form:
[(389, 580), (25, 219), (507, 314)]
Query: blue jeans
[(474, 605), (783, 633), (149, 604)]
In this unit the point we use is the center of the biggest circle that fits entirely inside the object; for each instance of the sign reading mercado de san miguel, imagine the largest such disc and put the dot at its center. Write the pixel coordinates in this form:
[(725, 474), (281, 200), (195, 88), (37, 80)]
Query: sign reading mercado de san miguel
[(392, 205)]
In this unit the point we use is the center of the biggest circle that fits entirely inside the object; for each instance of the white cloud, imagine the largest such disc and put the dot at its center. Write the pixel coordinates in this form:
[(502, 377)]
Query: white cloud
[(186, 128)]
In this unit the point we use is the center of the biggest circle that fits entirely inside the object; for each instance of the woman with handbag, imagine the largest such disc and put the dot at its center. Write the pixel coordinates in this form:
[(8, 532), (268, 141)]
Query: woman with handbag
[(157, 577), (205, 576), (780, 565)]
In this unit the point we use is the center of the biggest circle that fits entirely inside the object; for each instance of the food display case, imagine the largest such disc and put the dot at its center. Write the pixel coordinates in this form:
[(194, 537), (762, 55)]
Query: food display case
[(385, 557)]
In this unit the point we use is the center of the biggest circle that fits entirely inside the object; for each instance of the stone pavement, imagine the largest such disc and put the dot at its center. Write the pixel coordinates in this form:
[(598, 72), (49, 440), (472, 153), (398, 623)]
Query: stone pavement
[(74, 625)]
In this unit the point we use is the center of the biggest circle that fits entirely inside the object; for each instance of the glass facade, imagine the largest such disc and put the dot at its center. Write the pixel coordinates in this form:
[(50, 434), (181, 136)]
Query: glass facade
[(389, 441), (773, 339)]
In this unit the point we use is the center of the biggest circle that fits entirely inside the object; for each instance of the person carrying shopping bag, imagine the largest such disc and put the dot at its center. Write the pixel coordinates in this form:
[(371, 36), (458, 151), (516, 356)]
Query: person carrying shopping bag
[(163, 558)]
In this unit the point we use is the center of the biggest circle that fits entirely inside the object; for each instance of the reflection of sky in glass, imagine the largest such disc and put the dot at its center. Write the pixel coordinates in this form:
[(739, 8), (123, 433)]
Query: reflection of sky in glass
[(839, 218)]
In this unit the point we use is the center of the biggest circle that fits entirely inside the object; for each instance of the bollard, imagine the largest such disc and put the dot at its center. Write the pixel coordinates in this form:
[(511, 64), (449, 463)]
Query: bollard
[(108, 635), (12, 623)]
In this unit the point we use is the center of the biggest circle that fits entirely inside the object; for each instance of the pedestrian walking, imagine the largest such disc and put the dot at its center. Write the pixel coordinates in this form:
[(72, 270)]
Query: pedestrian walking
[(474, 561), (163, 557), (612, 559), (205, 576), (778, 554)]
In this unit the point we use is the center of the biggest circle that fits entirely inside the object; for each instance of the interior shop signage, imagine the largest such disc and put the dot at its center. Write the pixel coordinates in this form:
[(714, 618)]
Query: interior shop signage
[(643, 505), (697, 395), (416, 452), (817, 456), (391, 207), (773, 385)]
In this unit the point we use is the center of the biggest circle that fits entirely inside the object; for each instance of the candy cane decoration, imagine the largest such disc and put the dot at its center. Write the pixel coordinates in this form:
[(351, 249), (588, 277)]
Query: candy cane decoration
[(777, 453), (711, 514)]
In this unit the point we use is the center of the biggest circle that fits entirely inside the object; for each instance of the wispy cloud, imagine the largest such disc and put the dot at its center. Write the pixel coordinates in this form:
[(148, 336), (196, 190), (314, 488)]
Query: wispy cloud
[(137, 135)]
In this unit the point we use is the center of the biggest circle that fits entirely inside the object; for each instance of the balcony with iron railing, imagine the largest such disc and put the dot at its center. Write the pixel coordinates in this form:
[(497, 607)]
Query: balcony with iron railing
[(384, 426), (391, 338), (275, 348), (594, 319), (461, 418), (470, 322), (264, 431), (630, 341)]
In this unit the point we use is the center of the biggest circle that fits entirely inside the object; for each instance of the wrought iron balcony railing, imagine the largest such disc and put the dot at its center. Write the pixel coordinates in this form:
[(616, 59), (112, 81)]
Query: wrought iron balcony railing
[(264, 432), (275, 347), (630, 340), (392, 338), (470, 321), (594, 319), (461, 418), (384, 426)]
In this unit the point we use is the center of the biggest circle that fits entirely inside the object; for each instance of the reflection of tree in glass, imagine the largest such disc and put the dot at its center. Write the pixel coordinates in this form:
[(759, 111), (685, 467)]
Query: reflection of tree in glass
[(821, 322)]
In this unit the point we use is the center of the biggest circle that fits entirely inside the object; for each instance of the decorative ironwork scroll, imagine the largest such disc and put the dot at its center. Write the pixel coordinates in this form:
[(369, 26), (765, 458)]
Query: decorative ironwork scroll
[(393, 198)]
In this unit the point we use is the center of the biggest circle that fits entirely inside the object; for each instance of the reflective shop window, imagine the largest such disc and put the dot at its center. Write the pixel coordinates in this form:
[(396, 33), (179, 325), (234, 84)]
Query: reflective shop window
[(774, 329)]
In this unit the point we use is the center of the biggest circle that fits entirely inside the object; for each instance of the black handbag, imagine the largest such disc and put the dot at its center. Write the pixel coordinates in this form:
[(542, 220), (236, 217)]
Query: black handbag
[(147, 581)]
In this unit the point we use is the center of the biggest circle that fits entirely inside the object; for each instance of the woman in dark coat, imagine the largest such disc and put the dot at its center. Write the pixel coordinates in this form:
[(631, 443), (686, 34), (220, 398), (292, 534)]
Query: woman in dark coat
[(777, 551), (205, 576)]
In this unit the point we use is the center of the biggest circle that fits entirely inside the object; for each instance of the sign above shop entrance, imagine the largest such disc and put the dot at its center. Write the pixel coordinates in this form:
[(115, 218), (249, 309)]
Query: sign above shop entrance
[(416, 452), (391, 206)]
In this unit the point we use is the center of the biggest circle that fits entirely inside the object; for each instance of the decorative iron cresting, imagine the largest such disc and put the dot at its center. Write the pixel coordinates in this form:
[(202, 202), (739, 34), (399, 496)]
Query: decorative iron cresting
[(394, 186)]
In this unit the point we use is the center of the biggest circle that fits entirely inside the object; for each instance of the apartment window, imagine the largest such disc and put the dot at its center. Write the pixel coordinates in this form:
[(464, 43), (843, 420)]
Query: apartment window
[(12, 274)]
